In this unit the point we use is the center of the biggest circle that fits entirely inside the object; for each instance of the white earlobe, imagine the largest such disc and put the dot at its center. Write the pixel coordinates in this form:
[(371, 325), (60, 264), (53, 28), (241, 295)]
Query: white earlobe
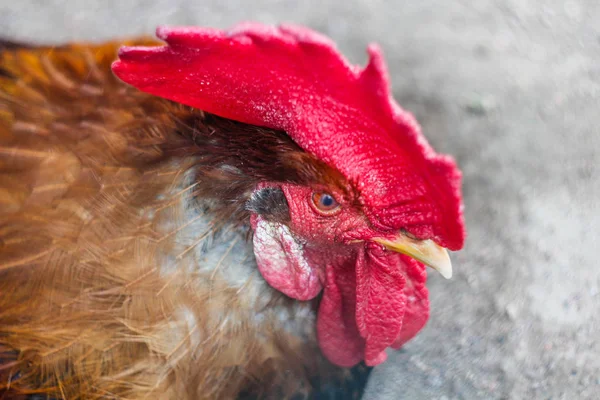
[(281, 261)]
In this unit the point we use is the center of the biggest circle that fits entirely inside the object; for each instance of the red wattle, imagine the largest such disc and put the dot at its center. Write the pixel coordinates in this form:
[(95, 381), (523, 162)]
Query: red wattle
[(369, 305), (416, 310), (337, 333), (380, 301)]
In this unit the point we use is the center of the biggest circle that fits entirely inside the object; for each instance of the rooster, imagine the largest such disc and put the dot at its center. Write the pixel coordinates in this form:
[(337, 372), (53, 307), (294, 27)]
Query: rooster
[(235, 213)]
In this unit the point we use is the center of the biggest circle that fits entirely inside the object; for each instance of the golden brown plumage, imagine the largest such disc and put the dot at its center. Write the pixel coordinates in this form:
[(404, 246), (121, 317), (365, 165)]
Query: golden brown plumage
[(95, 184)]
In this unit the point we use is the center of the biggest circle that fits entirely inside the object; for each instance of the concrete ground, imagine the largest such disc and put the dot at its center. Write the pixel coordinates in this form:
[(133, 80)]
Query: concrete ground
[(511, 88)]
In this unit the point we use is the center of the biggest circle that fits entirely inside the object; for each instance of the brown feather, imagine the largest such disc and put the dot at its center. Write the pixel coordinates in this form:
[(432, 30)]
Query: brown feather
[(94, 176)]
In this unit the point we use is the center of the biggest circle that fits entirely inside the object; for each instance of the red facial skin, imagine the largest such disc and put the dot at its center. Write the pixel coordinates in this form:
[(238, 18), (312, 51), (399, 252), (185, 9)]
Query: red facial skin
[(372, 298)]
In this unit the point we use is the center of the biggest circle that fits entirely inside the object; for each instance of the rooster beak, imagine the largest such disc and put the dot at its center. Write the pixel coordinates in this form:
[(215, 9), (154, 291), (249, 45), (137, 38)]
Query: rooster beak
[(426, 251)]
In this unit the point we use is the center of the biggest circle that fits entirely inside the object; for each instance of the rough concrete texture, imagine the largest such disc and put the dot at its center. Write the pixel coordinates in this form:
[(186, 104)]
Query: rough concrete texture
[(511, 88)]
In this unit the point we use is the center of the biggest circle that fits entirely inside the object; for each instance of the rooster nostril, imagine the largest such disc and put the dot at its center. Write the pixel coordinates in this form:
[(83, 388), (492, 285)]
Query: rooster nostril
[(409, 235)]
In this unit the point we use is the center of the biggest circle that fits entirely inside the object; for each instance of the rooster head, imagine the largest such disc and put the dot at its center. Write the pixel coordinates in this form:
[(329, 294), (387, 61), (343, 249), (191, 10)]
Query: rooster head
[(386, 206)]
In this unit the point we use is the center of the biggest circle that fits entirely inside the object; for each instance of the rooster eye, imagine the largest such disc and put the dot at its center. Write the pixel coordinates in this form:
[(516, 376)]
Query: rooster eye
[(325, 203)]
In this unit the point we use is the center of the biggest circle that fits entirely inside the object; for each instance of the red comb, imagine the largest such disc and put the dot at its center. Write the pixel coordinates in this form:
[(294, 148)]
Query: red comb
[(294, 79)]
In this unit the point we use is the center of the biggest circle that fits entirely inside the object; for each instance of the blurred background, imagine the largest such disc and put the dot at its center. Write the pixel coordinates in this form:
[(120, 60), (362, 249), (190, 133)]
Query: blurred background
[(510, 88)]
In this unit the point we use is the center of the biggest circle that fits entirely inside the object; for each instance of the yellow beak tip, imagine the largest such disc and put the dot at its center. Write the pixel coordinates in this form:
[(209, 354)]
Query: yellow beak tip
[(426, 251)]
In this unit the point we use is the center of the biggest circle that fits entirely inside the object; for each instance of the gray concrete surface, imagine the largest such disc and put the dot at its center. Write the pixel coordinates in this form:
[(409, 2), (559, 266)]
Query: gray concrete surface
[(512, 89)]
